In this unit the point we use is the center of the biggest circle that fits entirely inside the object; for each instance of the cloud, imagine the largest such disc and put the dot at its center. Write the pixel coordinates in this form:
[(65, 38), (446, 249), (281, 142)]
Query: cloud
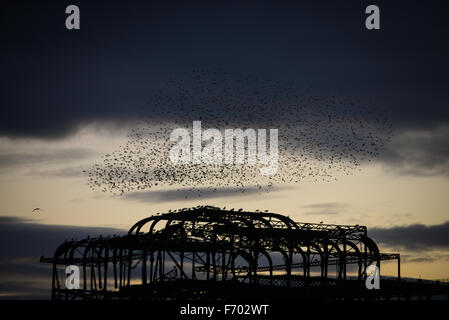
[(326, 205), (415, 237), (158, 196), (421, 260), (24, 278), (22, 243), (325, 208), (419, 152), (30, 238), (422, 257), (16, 159)]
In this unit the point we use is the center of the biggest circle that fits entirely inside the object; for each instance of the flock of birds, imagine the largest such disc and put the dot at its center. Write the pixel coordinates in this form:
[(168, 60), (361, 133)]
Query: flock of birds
[(319, 136)]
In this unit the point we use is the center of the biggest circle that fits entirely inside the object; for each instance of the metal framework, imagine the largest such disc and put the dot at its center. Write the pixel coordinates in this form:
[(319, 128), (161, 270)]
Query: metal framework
[(208, 253)]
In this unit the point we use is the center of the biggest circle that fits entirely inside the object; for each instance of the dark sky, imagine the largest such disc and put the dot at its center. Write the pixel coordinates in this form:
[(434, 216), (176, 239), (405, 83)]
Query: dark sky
[(54, 79)]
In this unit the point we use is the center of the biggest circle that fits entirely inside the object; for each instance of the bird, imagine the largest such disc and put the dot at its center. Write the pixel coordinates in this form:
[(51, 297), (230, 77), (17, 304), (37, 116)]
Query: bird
[(319, 136), (36, 209)]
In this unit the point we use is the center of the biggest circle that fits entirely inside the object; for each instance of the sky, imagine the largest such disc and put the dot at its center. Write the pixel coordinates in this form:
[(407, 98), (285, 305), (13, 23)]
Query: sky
[(70, 98)]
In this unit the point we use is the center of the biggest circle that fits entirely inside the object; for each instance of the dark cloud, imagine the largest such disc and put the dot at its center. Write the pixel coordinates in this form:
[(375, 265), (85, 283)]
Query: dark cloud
[(421, 260), (53, 80), (419, 152), (158, 196), (22, 243), (24, 278), (421, 257), (414, 237), (30, 238)]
